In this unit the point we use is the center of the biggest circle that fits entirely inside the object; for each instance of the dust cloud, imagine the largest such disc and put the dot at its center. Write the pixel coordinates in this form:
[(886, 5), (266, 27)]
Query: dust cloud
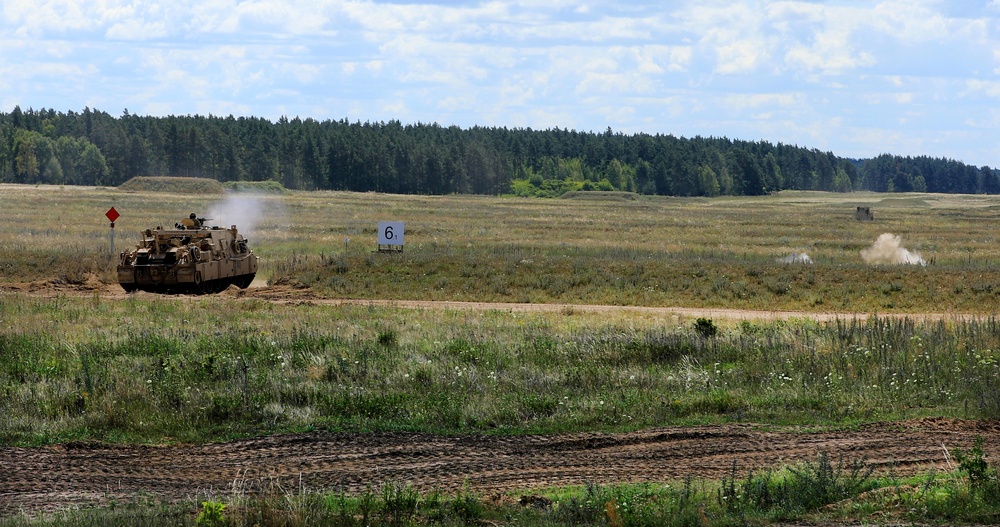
[(796, 258), (887, 249)]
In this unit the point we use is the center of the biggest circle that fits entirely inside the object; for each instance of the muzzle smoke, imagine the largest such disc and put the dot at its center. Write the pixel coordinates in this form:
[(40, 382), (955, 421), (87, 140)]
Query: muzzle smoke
[(246, 211), (887, 250)]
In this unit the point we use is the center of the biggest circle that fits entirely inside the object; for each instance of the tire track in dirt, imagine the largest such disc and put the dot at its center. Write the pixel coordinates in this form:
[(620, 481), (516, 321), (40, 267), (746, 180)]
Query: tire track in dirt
[(77, 474)]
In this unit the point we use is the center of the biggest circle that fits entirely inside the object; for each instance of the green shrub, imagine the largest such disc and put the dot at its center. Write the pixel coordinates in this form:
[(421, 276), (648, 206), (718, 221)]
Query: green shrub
[(804, 488), (812, 485), (399, 503), (211, 514), (387, 337), (983, 479), (705, 327), (467, 507)]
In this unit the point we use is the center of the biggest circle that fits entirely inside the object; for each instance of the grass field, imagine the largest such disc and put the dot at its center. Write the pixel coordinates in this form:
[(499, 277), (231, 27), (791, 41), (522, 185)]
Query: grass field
[(658, 251), (151, 369), (141, 370)]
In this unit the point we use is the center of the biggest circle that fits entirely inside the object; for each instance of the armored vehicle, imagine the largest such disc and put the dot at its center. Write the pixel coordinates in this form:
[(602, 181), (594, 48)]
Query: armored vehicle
[(190, 258)]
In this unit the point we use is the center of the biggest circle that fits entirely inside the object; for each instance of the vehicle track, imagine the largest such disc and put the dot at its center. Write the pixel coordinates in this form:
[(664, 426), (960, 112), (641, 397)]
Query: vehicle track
[(84, 474)]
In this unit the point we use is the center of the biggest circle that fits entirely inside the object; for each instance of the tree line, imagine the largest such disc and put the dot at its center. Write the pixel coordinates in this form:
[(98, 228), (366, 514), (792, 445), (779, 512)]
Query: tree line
[(95, 148)]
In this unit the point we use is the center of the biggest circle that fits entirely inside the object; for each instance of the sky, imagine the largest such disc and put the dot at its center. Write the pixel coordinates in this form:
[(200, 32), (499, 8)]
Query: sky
[(858, 78)]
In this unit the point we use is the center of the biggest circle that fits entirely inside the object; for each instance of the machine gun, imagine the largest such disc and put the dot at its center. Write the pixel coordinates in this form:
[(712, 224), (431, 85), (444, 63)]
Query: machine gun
[(192, 222)]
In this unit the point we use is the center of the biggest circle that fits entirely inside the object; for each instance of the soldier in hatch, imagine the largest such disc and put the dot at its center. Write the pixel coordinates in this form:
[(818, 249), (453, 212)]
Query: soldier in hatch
[(191, 222)]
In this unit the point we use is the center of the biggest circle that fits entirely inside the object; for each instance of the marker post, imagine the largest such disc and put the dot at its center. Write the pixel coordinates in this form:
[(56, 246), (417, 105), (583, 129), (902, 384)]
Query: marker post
[(112, 215)]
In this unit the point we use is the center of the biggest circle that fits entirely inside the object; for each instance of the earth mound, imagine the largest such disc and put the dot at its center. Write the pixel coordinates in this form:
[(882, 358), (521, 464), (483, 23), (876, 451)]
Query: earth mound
[(176, 185)]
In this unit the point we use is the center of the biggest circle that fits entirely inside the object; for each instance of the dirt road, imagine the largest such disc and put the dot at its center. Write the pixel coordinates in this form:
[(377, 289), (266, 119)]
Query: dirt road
[(284, 294), (46, 478), (292, 295)]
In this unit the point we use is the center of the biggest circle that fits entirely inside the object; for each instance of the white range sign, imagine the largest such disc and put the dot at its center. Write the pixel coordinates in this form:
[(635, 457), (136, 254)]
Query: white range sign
[(390, 232)]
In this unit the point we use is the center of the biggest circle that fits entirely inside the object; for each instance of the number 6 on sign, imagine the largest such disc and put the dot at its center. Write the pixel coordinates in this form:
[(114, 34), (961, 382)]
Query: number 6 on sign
[(390, 232)]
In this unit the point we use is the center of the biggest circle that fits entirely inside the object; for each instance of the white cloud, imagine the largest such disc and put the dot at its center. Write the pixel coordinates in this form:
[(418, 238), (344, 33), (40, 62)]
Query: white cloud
[(515, 93), (784, 70), (903, 98), (613, 84), (33, 18), (831, 51), (731, 33), (989, 88), (214, 16), (283, 17), (735, 54), (911, 21), (136, 30), (417, 58), (765, 100), (895, 80), (672, 58)]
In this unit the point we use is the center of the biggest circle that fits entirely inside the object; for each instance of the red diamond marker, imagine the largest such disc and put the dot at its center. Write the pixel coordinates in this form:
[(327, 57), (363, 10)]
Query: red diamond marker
[(112, 214)]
